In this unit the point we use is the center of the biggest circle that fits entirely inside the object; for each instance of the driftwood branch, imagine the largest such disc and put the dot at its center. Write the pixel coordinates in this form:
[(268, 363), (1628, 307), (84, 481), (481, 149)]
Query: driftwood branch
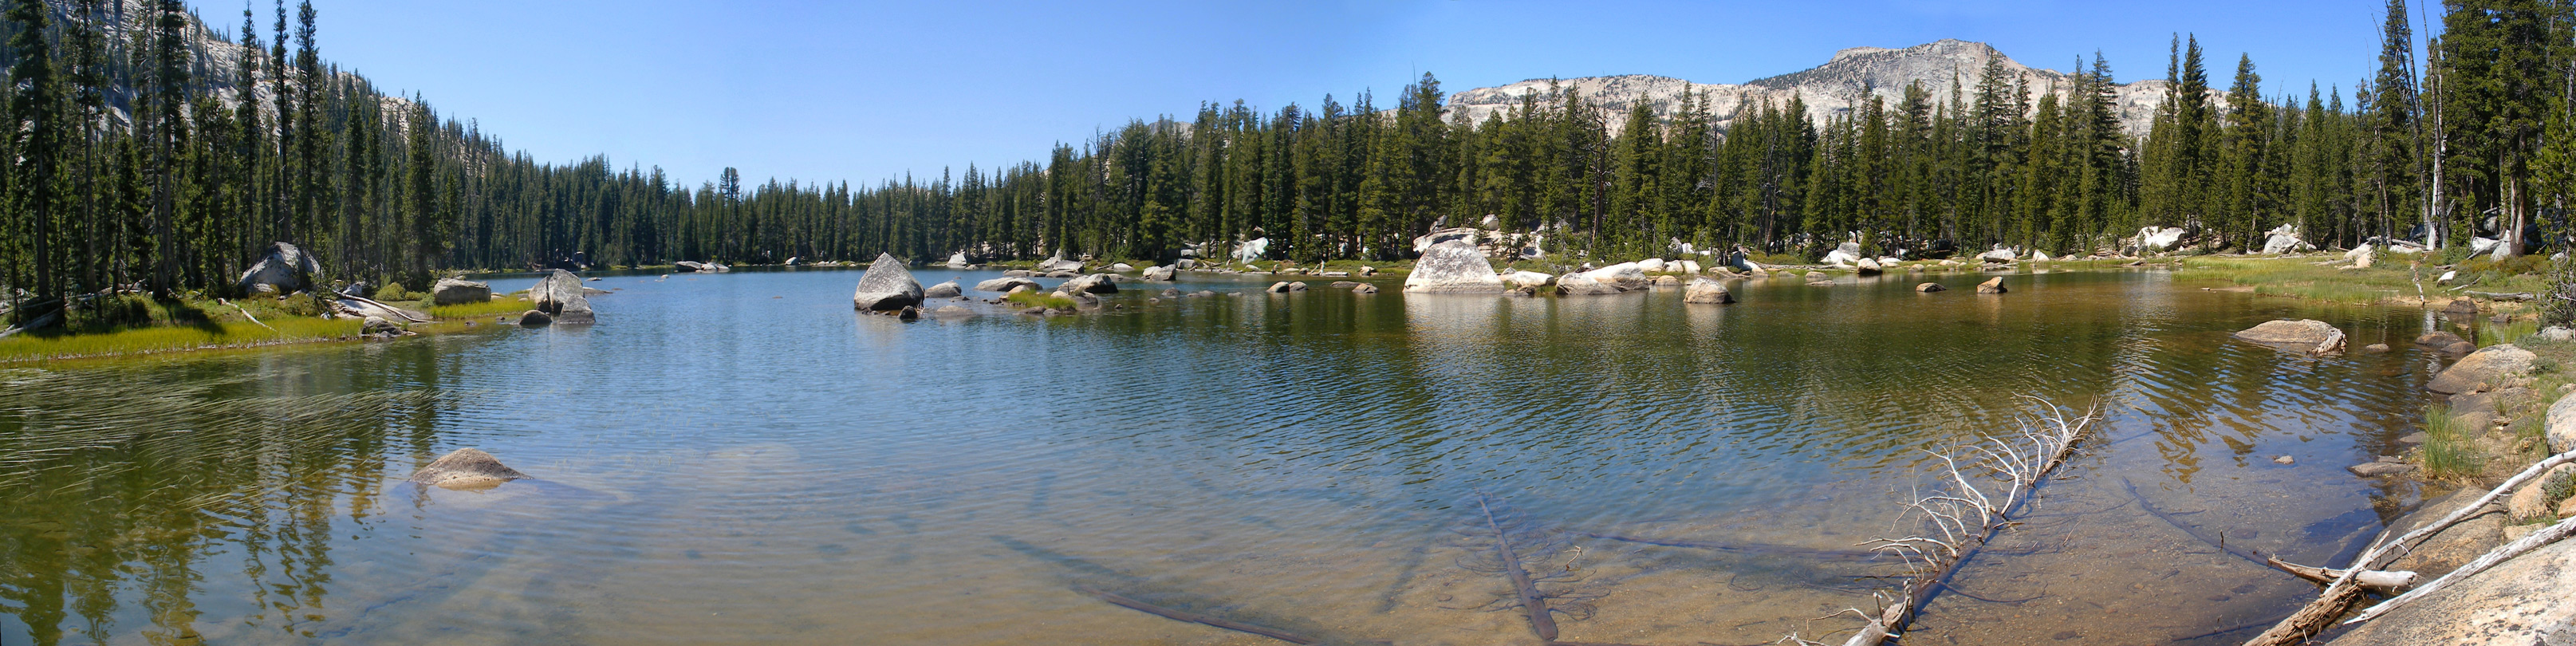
[(2507, 296), (2552, 534), (2380, 581), (2346, 591), (1962, 518)]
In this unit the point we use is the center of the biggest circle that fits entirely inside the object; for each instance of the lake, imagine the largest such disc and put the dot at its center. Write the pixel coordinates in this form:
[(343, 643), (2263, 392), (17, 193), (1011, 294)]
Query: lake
[(740, 458)]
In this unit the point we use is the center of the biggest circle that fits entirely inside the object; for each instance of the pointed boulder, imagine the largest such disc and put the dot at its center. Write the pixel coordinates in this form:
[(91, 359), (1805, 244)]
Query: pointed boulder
[(886, 286), (561, 296)]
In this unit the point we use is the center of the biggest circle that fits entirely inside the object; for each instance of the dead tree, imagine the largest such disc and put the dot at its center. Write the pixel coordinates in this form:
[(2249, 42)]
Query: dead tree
[(1960, 517)]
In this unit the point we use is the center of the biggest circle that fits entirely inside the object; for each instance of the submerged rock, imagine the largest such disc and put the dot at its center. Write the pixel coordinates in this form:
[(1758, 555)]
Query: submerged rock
[(886, 286), (466, 469), (2483, 370), (2377, 469), (1453, 267), (1364, 288), (2309, 336), (1707, 291)]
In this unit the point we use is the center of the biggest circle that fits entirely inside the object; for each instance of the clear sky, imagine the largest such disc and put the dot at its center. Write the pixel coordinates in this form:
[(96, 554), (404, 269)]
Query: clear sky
[(867, 90)]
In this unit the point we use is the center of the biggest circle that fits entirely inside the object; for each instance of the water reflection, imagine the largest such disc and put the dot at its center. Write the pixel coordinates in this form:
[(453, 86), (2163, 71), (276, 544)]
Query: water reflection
[(743, 457)]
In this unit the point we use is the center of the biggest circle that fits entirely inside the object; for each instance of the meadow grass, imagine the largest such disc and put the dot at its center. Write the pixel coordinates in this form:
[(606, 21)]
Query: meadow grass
[(496, 307), (2448, 451), (43, 345), (1041, 299)]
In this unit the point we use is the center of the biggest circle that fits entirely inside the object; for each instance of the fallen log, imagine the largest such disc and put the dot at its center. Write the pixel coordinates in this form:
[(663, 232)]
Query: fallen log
[(1965, 518), (2379, 581), (1193, 617), (2346, 590), (2552, 534), (2507, 296)]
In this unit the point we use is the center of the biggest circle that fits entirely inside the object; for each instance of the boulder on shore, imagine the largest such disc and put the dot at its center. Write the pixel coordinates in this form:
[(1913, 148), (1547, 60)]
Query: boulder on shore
[(561, 296), (1057, 263), (2486, 369), (943, 290), (2562, 425), (2520, 601), (1707, 291), (2309, 336), (1453, 267), (452, 291), (283, 270), (466, 469), (1625, 276), (1867, 266), (887, 286), (1526, 278), (958, 260)]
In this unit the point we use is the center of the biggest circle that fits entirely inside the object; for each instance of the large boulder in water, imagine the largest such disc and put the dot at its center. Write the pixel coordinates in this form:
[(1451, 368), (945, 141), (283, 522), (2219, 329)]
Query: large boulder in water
[(887, 286), (943, 290), (2485, 369), (1005, 284), (451, 291), (1453, 267), (1707, 291), (1091, 284), (560, 295), (284, 269), (466, 469), (2312, 337)]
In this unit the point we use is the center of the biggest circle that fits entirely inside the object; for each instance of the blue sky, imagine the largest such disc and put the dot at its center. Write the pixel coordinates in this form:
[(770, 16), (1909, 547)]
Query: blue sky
[(867, 90)]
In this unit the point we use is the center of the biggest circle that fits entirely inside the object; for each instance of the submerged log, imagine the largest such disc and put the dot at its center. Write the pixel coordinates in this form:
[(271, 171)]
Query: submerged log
[(2195, 531), (1532, 604), (1192, 617), (1759, 549)]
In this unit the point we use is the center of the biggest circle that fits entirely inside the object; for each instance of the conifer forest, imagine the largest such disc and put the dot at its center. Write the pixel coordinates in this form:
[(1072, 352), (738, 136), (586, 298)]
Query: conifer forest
[(146, 156)]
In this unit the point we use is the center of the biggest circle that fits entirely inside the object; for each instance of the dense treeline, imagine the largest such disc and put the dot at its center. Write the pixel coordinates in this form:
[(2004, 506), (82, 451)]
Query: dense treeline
[(153, 154)]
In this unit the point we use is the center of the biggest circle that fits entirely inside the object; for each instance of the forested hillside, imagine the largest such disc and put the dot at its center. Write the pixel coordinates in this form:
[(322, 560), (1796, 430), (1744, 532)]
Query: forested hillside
[(152, 152)]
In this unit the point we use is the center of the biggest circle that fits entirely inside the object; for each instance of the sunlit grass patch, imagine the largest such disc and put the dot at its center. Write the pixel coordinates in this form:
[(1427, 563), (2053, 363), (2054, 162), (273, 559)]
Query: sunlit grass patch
[(495, 307), (1041, 299), (2448, 451), (42, 345)]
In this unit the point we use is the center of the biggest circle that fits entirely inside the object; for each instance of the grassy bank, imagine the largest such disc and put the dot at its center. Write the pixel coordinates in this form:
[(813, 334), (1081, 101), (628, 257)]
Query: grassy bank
[(2392, 280), (140, 325)]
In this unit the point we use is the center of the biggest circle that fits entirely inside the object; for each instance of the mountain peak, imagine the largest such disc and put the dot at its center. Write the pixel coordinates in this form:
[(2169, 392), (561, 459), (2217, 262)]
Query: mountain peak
[(1837, 87)]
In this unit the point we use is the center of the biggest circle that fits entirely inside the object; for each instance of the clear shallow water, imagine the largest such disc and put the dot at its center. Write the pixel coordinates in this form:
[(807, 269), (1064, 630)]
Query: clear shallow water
[(741, 458)]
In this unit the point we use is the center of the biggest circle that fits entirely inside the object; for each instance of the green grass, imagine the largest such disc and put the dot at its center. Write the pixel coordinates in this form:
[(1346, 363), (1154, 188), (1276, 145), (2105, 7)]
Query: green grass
[(43, 345), (497, 307), (2514, 332), (2447, 449), (2301, 278), (1041, 299)]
